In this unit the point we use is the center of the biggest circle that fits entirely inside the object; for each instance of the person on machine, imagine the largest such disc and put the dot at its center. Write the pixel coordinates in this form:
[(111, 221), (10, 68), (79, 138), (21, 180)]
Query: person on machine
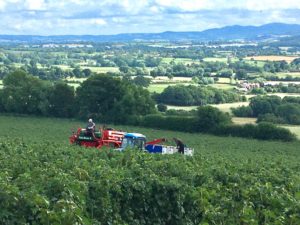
[(90, 128), (180, 145)]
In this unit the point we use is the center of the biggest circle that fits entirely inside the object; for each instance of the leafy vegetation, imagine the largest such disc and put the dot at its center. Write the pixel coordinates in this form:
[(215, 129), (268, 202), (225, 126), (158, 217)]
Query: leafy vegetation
[(272, 109), (44, 180), (182, 95)]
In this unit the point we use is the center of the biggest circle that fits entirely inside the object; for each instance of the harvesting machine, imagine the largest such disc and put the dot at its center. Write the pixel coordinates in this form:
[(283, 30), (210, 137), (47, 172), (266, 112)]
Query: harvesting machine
[(102, 137), (121, 140)]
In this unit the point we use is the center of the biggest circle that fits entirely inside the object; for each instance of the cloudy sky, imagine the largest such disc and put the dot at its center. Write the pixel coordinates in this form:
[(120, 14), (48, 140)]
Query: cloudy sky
[(57, 17)]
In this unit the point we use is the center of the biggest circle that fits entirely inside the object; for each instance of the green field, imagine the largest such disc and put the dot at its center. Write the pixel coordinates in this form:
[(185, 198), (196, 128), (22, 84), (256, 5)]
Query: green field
[(159, 88), (222, 86), (1, 84), (179, 60), (101, 69), (283, 75), (44, 180), (93, 69)]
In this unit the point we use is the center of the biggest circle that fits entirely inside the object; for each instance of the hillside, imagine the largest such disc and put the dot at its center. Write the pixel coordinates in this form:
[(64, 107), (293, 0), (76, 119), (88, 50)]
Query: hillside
[(224, 33), (228, 181)]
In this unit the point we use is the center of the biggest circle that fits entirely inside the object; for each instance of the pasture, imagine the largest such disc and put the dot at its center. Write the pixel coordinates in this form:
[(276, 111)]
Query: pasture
[(93, 68), (288, 59), (219, 59), (290, 74), (179, 60)]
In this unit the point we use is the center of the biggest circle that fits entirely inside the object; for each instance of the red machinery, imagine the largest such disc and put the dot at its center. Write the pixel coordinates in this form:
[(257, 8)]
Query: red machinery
[(108, 137)]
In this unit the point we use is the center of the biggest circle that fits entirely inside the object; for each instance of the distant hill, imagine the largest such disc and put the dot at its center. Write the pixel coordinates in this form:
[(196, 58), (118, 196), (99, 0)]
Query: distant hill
[(225, 33)]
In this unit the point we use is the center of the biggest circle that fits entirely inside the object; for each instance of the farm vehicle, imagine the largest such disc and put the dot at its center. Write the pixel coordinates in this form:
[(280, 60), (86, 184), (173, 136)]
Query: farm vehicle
[(136, 140), (98, 138), (121, 140)]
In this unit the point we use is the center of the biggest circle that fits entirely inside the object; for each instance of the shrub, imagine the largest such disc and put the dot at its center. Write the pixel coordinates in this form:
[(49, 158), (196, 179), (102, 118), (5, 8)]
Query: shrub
[(242, 111), (209, 117), (176, 123), (269, 117), (290, 112), (262, 131), (267, 131), (162, 107)]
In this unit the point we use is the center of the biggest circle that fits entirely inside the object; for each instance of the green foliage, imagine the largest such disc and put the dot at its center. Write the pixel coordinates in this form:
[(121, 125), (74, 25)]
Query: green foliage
[(177, 123), (23, 93), (264, 104), (273, 109), (110, 99), (208, 118), (269, 117), (262, 131), (61, 100), (162, 107), (242, 111), (44, 180), (182, 95), (142, 81)]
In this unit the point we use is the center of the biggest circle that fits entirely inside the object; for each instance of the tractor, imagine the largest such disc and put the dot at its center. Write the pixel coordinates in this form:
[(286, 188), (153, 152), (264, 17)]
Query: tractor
[(136, 140), (102, 137)]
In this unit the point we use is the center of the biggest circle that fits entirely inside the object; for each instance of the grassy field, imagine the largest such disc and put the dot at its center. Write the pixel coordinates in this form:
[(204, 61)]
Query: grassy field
[(243, 120), (1, 84), (92, 68), (45, 180), (255, 63), (272, 58), (293, 129), (222, 86), (218, 59), (292, 74), (226, 107), (101, 69), (179, 60), (174, 79), (158, 88)]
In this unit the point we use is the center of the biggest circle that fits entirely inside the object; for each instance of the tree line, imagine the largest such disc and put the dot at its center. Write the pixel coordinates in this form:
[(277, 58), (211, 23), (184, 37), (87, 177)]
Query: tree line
[(188, 95), (272, 109), (101, 97)]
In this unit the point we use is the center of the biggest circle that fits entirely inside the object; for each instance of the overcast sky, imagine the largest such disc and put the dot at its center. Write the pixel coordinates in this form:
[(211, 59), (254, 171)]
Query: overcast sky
[(57, 17)]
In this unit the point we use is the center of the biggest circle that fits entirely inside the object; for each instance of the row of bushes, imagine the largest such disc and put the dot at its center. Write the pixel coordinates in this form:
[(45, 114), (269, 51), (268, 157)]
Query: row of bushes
[(182, 95), (262, 131)]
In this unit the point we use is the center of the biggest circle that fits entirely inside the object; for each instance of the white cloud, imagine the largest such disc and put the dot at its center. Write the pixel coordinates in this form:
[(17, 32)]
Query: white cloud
[(100, 22), (118, 16), (35, 4)]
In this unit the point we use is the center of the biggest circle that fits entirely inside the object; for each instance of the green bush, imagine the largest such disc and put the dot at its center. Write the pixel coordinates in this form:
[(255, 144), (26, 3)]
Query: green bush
[(267, 131), (208, 118), (262, 131), (242, 111), (176, 123), (162, 107), (269, 117)]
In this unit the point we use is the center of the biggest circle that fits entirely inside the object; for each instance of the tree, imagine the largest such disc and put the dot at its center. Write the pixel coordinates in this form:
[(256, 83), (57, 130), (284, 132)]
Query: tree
[(209, 118), (23, 93), (162, 107), (112, 100), (61, 100), (241, 74), (142, 81), (86, 72)]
